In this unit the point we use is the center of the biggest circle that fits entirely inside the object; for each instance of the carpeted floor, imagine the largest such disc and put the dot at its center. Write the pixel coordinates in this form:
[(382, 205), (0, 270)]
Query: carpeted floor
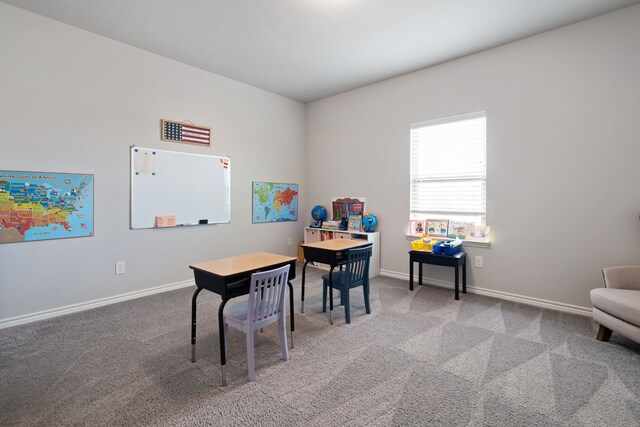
[(421, 358)]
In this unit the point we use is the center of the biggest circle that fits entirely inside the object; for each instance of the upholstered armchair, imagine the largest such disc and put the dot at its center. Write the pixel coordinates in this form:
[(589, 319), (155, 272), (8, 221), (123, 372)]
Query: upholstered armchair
[(616, 307)]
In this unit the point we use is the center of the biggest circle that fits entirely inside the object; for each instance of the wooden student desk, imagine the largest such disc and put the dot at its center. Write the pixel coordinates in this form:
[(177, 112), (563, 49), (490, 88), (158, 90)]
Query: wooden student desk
[(229, 278), (330, 252)]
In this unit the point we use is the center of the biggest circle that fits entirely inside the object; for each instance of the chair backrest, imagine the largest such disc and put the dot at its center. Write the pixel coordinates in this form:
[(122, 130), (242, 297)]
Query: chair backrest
[(622, 277), (357, 267), (267, 294)]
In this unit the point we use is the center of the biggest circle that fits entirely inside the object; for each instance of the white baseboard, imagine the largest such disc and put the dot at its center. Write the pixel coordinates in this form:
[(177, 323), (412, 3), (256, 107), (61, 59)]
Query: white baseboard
[(538, 302), (74, 308)]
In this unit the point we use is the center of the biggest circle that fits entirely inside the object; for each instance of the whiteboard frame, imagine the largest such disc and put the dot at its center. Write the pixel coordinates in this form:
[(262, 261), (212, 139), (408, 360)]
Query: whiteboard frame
[(136, 224)]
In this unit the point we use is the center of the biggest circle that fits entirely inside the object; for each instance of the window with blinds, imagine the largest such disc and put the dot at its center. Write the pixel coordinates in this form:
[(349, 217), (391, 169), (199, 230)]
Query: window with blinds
[(448, 169)]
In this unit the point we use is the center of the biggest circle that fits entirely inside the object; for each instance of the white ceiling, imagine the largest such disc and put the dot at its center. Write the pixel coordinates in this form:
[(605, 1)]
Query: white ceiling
[(311, 49)]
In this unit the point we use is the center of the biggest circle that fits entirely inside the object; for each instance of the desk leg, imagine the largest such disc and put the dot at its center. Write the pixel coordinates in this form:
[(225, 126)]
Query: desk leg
[(457, 282), (464, 276), (193, 324), (331, 294), (410, 273), (419, 273), (223, 354), (304, 269), (293, 327)]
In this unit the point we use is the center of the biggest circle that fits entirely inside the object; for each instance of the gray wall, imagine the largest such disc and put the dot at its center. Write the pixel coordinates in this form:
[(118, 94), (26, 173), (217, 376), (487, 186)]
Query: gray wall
[(73, 101), (563, 179), (563, 196)]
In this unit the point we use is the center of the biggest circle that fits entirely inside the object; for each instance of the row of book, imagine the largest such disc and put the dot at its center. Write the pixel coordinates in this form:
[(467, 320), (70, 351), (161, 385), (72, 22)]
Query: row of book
[(326, 235), (347, 206)]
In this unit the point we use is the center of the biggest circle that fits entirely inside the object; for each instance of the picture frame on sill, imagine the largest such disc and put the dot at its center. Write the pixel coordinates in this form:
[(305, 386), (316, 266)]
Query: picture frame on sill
[(458, 230), (437, 227), (417, 227), (478, 233)]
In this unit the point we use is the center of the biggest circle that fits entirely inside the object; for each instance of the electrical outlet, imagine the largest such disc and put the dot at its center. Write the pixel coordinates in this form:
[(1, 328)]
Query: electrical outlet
[(290, 241), (479, 262), (120, 267)]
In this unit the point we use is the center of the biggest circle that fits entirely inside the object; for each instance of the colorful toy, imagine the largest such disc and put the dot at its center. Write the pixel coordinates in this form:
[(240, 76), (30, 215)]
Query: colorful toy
[(319, 214), (344, 222), (369, 222)]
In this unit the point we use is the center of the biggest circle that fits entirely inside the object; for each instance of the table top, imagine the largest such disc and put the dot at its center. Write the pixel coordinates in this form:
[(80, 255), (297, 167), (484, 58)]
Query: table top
[(337, 244), (241, 263), (430, 253)]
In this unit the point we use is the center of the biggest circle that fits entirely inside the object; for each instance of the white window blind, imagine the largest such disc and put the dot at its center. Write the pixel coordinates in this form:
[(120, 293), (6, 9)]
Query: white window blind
[(448, 168)]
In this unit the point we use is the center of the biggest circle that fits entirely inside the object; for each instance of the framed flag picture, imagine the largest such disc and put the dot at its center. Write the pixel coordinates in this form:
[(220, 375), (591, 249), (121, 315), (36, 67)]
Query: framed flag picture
[(185, 132)]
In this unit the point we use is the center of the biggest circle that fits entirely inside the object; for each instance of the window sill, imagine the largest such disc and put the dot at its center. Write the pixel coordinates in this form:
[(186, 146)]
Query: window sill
[(468, 243)]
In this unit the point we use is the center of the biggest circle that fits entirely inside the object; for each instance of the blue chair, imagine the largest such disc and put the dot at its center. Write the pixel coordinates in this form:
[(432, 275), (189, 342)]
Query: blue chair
[(355, 273)]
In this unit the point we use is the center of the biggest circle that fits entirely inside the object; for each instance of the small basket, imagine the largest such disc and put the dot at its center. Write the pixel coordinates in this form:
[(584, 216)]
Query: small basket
[(446, 250), (419, 245)]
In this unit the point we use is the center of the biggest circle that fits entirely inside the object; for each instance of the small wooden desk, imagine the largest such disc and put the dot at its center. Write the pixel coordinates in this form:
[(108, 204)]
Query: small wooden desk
[(455, 261), (330, 252), (230, 278)]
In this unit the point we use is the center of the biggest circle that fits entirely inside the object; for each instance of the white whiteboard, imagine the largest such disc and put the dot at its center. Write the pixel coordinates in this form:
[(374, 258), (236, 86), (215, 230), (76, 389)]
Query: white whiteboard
[(195, 188)]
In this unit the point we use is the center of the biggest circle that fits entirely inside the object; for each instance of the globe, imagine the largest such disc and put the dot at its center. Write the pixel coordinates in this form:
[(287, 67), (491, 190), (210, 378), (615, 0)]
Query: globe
[(319, 213), (369, 222)]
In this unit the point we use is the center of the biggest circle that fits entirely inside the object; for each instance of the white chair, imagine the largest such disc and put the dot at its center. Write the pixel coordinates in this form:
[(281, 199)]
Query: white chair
[(616, 307), (266, 305)]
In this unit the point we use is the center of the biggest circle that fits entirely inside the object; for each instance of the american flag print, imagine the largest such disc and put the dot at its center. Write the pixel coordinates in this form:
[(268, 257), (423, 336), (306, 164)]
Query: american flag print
[(188, 133)]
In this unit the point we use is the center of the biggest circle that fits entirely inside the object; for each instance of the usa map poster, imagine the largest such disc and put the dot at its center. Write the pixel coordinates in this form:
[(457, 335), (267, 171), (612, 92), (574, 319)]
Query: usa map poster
[(274, 202), (43, 205)]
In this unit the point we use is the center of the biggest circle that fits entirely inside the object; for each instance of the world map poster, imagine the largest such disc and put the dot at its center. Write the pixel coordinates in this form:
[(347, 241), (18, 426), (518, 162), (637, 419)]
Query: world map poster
[(42, 205), (274, 202)]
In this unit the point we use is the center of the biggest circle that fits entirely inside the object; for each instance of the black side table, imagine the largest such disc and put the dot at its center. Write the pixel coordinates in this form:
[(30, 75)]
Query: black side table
[(455, 261)]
